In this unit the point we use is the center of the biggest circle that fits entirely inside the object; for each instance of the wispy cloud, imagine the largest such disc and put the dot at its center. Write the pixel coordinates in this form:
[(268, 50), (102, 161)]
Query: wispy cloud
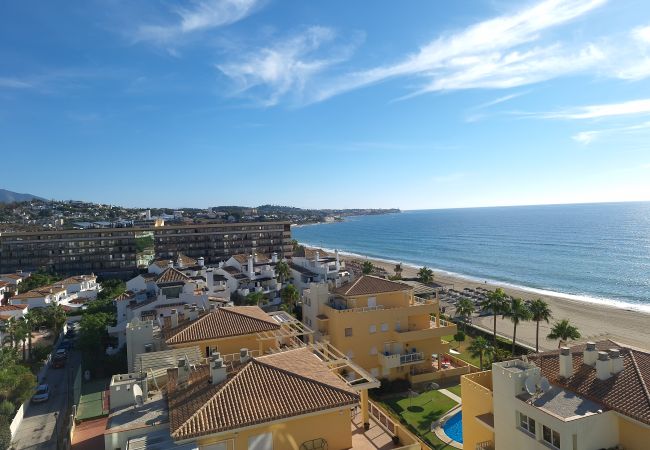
[(500, 100), (284, 67), (14, 83), (204, 14), (633, 58), (632, 107), (496, 53), (587, 137)]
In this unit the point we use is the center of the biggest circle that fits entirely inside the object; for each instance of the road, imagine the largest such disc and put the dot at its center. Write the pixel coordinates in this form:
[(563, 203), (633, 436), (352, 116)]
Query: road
[(37, 430)]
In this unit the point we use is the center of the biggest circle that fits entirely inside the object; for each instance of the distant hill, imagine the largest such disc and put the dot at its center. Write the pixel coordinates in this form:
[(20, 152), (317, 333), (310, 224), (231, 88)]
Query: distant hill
[(10, 197)]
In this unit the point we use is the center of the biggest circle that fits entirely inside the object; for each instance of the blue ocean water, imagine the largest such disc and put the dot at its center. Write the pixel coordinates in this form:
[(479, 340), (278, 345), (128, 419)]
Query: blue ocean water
[(598, 252)]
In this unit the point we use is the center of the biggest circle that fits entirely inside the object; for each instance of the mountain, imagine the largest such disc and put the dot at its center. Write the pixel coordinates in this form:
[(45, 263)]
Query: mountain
[(10, 197)]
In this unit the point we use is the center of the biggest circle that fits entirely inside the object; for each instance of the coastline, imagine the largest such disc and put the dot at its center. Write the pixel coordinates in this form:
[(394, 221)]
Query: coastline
[(595, 319)]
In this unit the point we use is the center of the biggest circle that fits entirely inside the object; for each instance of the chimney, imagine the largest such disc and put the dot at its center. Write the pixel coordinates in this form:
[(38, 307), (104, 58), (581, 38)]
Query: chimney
[(244, 355), (170, 264), (251, 270), (338, 261), (590, 354), (172, 378), (274, 258), (616, 360), (317, 256), (603, 366), (218, 371), (255, 257), (201, 261), (183, 371), (566, 362), (193, 313), (174, 318)]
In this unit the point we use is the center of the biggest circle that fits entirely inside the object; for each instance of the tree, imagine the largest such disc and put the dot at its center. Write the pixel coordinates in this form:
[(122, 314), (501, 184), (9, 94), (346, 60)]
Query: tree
[(517, 312), (464, 309), (563, 331), (55, 317), (282, 270), (479, 348), (367, 267), (425, 275), (21, 333), (255, 298), (36, 280), (539, 310), (459, 337), (398, 271), (496, 304), (290, 296), (93, 335)]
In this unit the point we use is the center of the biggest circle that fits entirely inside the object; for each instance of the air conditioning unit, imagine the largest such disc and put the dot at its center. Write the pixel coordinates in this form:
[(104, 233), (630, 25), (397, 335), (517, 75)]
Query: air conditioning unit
[(148, 348)]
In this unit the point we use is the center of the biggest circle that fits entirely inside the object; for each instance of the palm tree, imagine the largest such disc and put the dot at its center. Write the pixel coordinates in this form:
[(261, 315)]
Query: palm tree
[(517, 312), (21, 335), (425, 275), (30, 325), (496, 304), (282, 269), (290, 296), (479, 348), (465, 309), (56, 317), (540, 311), (563, 331), (367, 267), (398, 271)]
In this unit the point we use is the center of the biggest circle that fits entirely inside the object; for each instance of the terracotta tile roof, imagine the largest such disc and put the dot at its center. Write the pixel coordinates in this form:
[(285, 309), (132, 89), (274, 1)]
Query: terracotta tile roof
[(627, 392), (170, 275), (162, 263), (185, 260), (5, 317), (79, 279), (368, 284), (3, 284), (125, 296), (41, 292), (12, 307), (222, 323), (262, 390), (241, 258)]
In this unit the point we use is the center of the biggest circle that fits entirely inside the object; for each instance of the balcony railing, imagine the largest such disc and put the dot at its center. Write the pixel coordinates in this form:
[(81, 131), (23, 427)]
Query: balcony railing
[(485, 445), (411, 357), (392, 360)]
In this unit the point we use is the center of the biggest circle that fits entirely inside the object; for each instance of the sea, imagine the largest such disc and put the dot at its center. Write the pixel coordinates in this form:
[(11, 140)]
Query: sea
[(593, 252)]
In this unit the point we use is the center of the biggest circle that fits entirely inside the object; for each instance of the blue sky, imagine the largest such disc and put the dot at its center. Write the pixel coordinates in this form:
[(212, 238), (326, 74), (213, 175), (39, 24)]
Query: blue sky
[(419, 104)]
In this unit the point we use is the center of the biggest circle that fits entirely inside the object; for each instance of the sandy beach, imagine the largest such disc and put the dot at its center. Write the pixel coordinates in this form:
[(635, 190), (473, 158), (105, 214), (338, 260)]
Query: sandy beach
[(594, 320)]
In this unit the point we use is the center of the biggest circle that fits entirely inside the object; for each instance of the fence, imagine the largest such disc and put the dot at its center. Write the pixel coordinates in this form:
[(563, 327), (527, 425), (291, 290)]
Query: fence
[(409, 441)]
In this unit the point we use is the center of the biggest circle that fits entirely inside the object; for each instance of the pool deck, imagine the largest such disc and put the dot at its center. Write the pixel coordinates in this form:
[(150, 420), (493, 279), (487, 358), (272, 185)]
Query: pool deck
[(437, 426)]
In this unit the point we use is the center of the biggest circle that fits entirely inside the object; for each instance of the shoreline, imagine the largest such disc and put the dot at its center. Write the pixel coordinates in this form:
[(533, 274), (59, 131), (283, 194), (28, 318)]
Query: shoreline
[(594, 318)]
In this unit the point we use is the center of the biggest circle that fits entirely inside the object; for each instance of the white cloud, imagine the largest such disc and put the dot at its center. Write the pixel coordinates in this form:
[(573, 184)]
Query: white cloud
[(495, 53), (205, 14), (642, 34), (587, 137), (633, 58), (632, 107), (284, 67), (500, 100), (13, 83)]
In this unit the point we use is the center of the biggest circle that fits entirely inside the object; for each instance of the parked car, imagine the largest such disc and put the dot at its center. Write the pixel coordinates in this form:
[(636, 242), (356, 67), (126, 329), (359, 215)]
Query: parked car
[(67, 344), (42, 394), (70, 333), (61, 352)]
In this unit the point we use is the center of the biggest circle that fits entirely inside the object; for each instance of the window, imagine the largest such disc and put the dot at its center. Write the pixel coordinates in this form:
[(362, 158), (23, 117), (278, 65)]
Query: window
[(527, 423), (551, 436), (384, 327), (373, 329), (348, 332)]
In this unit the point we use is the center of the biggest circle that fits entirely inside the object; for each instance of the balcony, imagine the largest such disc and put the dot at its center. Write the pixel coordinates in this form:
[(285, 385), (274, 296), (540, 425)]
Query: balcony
[(392, 360), (434, 331)]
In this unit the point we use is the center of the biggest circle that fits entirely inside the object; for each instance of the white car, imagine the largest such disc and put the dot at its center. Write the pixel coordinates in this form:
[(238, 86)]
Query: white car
[(42, 394)]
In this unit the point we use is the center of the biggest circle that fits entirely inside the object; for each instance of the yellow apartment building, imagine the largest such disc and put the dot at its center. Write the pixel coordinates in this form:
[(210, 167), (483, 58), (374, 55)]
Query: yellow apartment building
[(587, 397), (381, 326), (226, 330)]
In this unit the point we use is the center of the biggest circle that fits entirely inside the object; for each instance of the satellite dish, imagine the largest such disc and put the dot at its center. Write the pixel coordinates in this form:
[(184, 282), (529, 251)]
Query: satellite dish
[(529, 384), (137, 395), (544, 385)]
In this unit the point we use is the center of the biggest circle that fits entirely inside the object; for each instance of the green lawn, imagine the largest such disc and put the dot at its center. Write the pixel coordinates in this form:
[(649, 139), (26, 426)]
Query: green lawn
[(421, 411), (462, 348), (455, 389)]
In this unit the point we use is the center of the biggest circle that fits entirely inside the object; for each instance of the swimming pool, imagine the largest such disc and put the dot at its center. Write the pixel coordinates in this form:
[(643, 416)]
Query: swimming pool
[(454, 427)]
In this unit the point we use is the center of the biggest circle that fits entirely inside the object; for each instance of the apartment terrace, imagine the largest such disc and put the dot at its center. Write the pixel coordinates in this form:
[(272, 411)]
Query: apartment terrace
[(437, 328), (340, 306)]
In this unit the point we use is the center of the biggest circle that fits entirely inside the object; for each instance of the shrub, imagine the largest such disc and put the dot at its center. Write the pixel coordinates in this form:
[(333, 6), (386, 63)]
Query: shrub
[(5, 434), (7, 409)]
